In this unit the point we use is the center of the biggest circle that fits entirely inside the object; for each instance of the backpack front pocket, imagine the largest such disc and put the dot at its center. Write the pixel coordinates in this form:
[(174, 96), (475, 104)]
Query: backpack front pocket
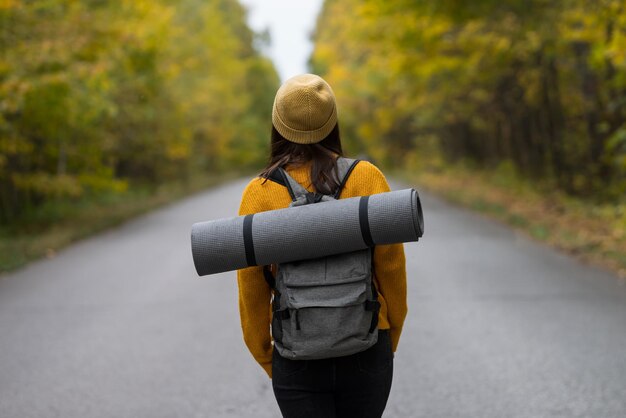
[(330, 295), (333, 281)]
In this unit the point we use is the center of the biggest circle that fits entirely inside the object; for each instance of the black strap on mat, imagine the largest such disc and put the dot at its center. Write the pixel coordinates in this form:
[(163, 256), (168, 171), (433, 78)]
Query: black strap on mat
[(247, 240), (364, 221)]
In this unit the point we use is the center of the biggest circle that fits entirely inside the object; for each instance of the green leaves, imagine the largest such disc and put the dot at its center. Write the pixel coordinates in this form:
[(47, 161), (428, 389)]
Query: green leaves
[(541, 84), (96, 96)]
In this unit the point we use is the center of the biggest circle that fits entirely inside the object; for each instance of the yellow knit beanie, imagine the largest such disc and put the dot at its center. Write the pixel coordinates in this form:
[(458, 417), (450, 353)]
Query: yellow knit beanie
[(304, 109)]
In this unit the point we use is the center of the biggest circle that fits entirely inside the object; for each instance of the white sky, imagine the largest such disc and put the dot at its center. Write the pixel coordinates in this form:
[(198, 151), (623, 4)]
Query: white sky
[(290, 23)]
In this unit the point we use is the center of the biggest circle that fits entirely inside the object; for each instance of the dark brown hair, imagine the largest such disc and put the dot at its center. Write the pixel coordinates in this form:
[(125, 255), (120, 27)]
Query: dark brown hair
[(323, 155)]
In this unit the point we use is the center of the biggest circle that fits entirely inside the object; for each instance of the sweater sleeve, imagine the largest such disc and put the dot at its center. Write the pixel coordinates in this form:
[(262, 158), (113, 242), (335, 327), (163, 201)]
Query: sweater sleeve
[(389, 263), (255, 296), (390, 274)]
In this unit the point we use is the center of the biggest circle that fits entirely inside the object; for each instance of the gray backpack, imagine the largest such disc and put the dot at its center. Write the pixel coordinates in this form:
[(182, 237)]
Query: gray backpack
[(324, 307)]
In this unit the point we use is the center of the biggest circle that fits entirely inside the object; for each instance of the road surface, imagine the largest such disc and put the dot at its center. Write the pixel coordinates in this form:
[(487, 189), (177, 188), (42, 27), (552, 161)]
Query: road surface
[(120, 326)]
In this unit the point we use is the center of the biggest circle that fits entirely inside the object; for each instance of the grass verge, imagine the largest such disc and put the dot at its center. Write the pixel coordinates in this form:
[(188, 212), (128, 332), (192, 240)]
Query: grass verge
[(595, 233), (57, 225)]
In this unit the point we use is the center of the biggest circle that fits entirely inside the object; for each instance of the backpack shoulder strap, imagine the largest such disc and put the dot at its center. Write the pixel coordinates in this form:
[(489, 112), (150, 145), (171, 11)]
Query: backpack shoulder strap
[(276, 177), (344, 169), (280, 176), (294, 188)]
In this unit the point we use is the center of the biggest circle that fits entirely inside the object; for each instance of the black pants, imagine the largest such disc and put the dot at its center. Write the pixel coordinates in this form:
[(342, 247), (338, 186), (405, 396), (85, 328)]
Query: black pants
[(355, 386)]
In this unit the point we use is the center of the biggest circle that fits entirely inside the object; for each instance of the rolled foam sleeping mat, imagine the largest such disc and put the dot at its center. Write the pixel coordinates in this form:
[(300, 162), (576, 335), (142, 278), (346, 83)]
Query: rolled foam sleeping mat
[(306, 232)]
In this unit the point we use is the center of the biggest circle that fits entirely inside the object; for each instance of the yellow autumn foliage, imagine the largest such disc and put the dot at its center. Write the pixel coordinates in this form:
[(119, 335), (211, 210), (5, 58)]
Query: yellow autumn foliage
[(538, 84), (96, 96)]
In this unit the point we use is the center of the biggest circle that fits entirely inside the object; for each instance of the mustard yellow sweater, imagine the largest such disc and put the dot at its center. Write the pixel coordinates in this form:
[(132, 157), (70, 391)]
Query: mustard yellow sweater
[(255, 294)]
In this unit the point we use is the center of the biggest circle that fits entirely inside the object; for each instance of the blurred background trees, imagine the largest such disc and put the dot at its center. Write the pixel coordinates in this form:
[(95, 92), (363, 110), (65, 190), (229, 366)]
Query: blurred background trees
[(535, 86), (99, 96)]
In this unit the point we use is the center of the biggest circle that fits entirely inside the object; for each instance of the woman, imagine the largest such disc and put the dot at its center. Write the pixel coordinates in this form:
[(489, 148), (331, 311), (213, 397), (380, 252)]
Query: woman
[(306, 143)]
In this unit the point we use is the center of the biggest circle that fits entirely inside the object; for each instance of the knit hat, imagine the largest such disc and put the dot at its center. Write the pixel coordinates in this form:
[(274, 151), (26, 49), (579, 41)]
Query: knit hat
[(304, 109)]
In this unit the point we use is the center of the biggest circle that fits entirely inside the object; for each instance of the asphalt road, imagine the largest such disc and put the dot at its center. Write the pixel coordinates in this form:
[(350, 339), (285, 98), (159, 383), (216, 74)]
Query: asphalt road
[(119, 326)]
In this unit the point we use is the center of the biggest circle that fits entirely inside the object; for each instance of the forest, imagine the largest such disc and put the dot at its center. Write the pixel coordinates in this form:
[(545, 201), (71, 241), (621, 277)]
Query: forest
[(537, 86), (98, 97)]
